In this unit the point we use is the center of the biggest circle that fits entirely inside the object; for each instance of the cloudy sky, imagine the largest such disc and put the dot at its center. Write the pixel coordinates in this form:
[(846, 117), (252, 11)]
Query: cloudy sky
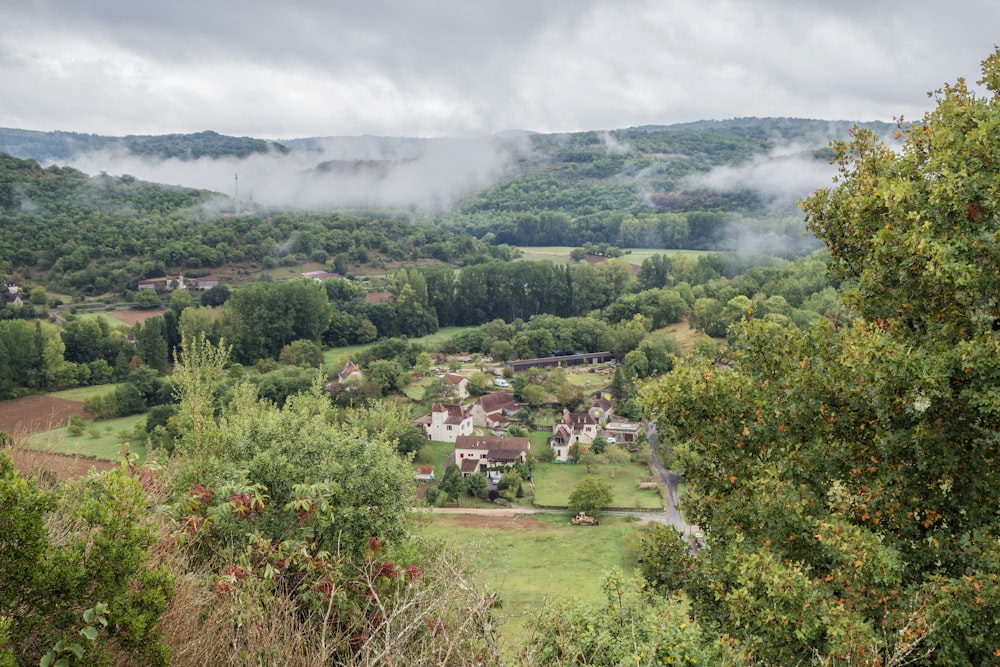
[(472, 68)]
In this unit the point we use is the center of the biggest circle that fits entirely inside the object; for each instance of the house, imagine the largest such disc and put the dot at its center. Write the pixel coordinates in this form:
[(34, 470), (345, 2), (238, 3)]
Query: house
[(320, 276), (12, 287), (561, 442), (446, 422), (476, 453), (13, 300), (493, 410), (424, 474), (601, 409), (164, 284), (621, 431), (205, 282), (575, 427), (347, 371), (461, 384)]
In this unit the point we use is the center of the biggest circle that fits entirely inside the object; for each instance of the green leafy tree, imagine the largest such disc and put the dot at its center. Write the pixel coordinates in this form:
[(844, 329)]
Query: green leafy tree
[(66, 553), (476, 483), (847, 477), (591, 495), (534, 395), (452, 483)]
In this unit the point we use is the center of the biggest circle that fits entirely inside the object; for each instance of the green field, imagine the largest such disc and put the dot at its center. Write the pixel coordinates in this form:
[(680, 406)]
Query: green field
[(534, 558), (554, 482), (83, 393), (107, 445), (430, 341), (560, 254)]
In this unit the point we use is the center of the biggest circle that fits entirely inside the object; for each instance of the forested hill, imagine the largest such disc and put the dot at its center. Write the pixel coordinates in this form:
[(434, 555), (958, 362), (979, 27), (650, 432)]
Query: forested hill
[(60, 147)]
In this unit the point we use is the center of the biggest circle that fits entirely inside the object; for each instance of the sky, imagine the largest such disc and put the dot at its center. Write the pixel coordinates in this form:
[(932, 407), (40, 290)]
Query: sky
[(470, 68)]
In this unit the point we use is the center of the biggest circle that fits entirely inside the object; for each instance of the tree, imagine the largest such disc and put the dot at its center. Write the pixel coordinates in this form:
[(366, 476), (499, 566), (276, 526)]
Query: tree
[(303, 353), (858, 465), (151, 343), (591, 495), (615, 457), (584, 456), (452, 483), (146, 299), (534, 395), (476, 483)]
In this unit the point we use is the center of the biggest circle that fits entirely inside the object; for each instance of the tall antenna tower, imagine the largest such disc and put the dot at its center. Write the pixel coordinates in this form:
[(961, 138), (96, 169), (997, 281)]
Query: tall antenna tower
[(237, 197)]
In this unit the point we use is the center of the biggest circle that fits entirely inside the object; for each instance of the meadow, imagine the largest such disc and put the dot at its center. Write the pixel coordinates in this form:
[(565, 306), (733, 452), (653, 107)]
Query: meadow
[(560, 254), (530, 559), (554, 482)]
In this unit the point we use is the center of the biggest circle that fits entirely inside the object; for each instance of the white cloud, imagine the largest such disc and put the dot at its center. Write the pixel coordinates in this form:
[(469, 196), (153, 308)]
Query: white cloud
[(451, 67)]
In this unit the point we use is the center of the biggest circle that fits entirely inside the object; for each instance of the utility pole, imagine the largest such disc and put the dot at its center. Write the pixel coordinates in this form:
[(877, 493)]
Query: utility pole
[(237, 198)]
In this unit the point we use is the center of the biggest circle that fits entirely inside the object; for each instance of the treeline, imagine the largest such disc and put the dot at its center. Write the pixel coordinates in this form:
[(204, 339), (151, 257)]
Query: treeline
[(692, 230), (97, 235)]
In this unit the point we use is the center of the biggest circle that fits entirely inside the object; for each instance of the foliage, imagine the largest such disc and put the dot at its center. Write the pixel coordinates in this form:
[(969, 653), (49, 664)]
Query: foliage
[(476, 483), (591, 495), (845, 478), (452, 483), (67, 555), (628, 628)]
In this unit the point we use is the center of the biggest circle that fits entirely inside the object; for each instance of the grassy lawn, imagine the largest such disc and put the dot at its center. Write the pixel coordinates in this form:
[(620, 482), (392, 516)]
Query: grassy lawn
[(589, 382), (83, 393), (440, 452), (554, 482), (107, 446), (534, 558)]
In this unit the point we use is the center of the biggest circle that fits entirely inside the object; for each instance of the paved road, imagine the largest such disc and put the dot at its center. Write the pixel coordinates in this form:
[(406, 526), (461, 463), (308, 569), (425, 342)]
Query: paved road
[(670, 480)]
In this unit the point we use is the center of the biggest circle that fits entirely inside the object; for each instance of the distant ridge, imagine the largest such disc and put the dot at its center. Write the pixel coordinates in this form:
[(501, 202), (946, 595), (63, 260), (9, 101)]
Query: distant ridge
[(62, 146)]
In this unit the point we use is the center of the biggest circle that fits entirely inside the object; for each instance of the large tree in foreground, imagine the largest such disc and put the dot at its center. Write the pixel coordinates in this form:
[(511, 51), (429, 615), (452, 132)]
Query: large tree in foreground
[(847, 480)]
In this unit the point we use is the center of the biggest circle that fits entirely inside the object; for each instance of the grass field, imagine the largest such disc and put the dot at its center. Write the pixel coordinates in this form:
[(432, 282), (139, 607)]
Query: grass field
[(83, 393), (107, 446), (560, 254), (554, 482), (529, 559), (431, 341)]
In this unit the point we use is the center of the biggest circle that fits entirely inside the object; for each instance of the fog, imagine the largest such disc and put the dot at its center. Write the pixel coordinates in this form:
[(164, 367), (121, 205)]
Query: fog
[(335, 172), (781, 177)]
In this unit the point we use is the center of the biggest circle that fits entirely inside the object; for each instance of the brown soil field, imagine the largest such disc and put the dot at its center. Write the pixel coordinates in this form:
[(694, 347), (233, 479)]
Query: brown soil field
[(133, 316), (37, 413), (30, 462)]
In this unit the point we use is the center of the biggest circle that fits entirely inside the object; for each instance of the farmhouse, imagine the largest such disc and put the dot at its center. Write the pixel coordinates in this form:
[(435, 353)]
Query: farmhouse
[(205, 282), (474, 453), (164, 284), (446, 422), (621, 431), (493, 410), (575, 427), (461, 384), (602, 408), (320, 276)]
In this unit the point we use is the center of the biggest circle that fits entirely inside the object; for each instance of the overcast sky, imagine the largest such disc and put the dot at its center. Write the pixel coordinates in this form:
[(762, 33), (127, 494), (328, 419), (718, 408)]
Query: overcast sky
[(468, 68)]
